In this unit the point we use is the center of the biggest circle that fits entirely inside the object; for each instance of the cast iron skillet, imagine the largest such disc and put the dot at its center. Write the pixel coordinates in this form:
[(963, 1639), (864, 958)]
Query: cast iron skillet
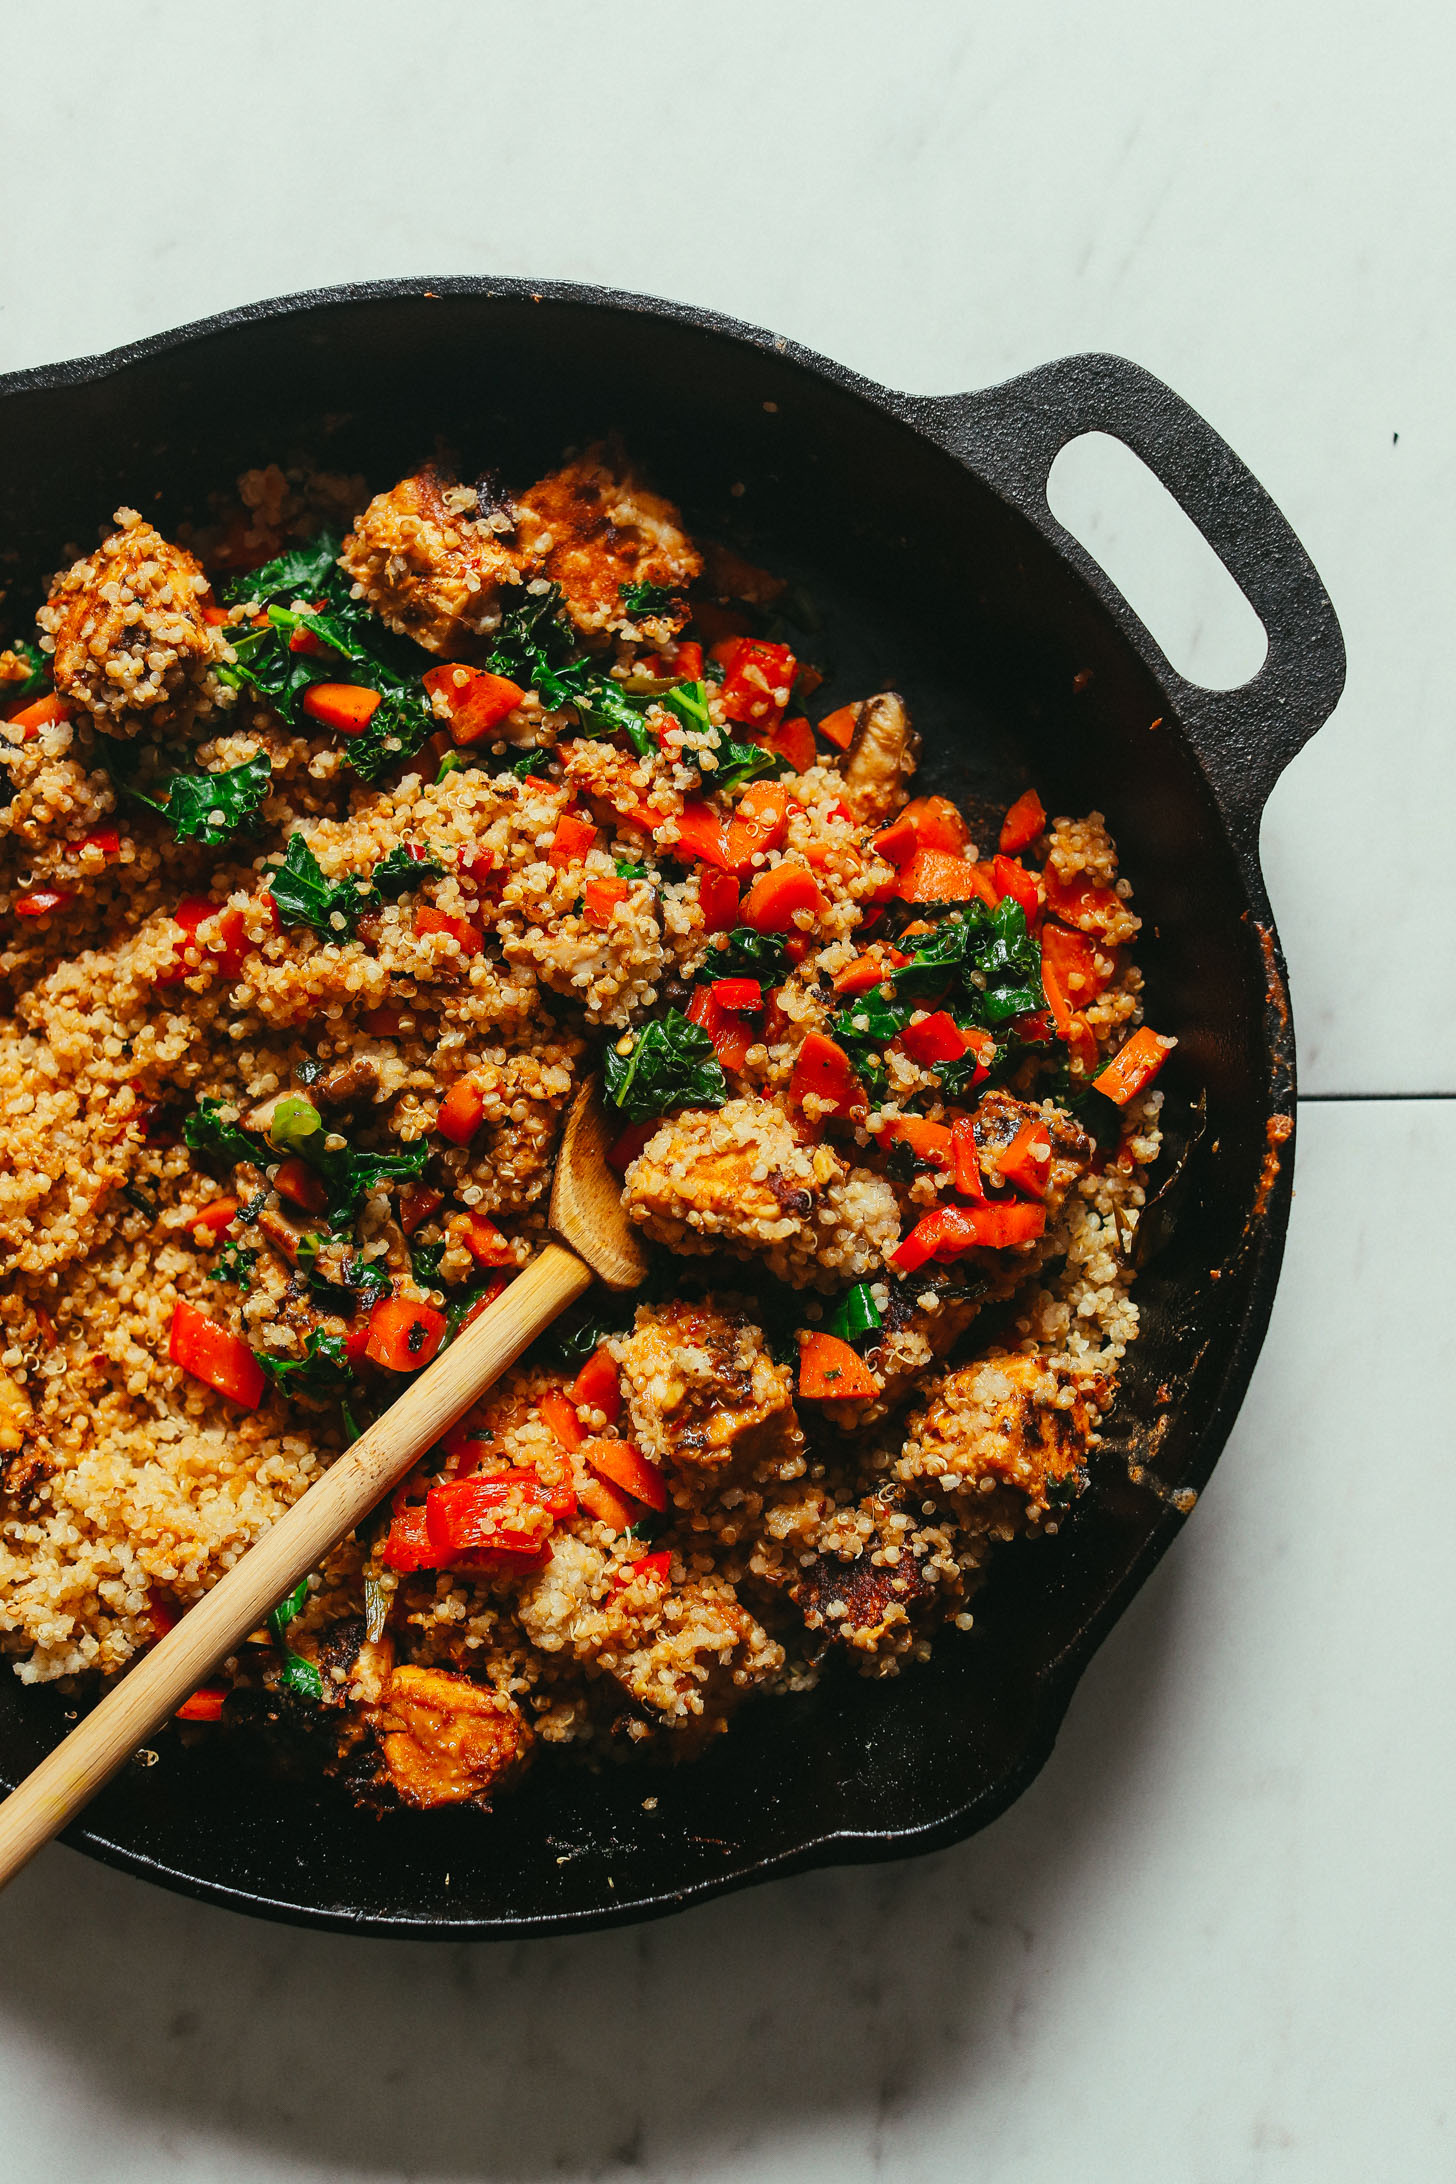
[(921, 528)]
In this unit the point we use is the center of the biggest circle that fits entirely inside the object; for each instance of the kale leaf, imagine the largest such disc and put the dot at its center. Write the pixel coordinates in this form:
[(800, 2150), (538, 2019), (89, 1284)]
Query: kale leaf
[(406, 867), (736, 762), (349, 1177), (303, 896), (400, 726), (298, 1675), (671, 1064), (301, 572), (209, 808), (322, 1370), (745, 953), (649, 598), (20, 693), (1010, 963), (206, 1132), (853, 1315), (235, 1265)]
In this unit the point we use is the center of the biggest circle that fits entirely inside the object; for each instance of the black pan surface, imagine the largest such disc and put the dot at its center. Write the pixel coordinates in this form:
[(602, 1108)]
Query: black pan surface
[(921, 530)]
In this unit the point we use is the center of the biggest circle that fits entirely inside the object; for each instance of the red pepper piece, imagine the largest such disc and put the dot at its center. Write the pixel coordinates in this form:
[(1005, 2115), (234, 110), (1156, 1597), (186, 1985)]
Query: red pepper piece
[(936, 1038), (215, 1356)]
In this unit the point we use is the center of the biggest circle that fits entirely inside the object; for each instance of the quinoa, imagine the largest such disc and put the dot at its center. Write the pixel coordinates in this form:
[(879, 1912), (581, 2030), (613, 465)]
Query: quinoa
[(293, 1014)]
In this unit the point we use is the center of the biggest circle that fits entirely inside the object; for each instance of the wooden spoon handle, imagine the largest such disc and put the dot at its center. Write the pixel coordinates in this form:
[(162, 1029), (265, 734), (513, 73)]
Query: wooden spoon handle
[(150, 1693)]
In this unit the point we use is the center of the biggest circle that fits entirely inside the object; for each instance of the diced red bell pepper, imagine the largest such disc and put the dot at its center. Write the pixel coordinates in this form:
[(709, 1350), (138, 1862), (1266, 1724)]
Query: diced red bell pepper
[(598, 1386), (493, 1288), (927, 822), (403, 1335), (469, 937), (607, 1503), (731, 1037), (43, 712), (1134, 1066), (679, 662), (106, 839), (829, 1370), (483, 1240), (718, 900), (776, 898), (210, 1221), (737, 993), (623, 1464), (574, 836), (416, 1206), (793, 740), (408, 1545), (969, 1180), (205, 1704), (838, 727), (624, 1150), (1010, 878), (1077, 902), (42, 901), (756, 688), (758, 825), (935, 1038), (511, 1514), (947, 1232), (926, 1140), (215, 1356), (347, 708), (657, 1568), (461, 1111), (300, 1184), (476, 865), (476, 705), (601, 897), (702, 835), (1023, 823), (1026, 1163), (1069, 974), (558, 1411), (933, 875), (823, 1068), (191, 914)]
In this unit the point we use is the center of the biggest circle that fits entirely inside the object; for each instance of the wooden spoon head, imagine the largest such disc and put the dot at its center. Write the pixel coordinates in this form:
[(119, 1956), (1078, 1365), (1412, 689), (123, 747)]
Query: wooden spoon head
[(586, 1198)]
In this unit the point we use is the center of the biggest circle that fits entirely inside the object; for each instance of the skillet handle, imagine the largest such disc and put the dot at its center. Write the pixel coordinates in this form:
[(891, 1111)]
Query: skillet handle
[(1011, 435)]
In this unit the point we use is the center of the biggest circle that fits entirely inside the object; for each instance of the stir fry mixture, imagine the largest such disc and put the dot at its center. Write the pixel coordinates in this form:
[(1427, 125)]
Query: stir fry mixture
[(339, 839)]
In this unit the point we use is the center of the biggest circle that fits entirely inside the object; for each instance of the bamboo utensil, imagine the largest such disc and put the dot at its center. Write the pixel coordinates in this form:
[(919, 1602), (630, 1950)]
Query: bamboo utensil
[(586, 1212)]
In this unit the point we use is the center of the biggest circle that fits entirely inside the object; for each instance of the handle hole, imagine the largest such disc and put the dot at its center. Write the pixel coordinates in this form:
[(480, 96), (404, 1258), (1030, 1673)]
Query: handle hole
[(1129, 522)]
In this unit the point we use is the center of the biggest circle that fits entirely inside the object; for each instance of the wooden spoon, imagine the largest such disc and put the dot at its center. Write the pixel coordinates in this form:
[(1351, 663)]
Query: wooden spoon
[(586, 1211)]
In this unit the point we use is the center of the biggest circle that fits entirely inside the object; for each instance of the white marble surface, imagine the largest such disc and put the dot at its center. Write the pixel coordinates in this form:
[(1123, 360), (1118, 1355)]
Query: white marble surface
[(1214, 1942)]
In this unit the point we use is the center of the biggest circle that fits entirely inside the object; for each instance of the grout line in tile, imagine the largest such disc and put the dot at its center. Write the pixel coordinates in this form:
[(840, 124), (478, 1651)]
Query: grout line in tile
[(1311, 1099)]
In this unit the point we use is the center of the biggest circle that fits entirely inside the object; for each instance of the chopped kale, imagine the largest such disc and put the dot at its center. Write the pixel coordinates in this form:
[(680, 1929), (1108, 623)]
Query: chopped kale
[(400, 726), (854, 1315), (235, 1265), (745, 953), (626, 870), (736, 762), (298, 1675), (649, 598), (144, 1201), (536, 765), (299, 573), (303, 896), (349, 1177), (535, 646), (425, 1263), (206, 1132), (209, 808), (309, 1070), (407, 866), (671, 1064), (379, 660), (17, 694), (322, 1370)]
